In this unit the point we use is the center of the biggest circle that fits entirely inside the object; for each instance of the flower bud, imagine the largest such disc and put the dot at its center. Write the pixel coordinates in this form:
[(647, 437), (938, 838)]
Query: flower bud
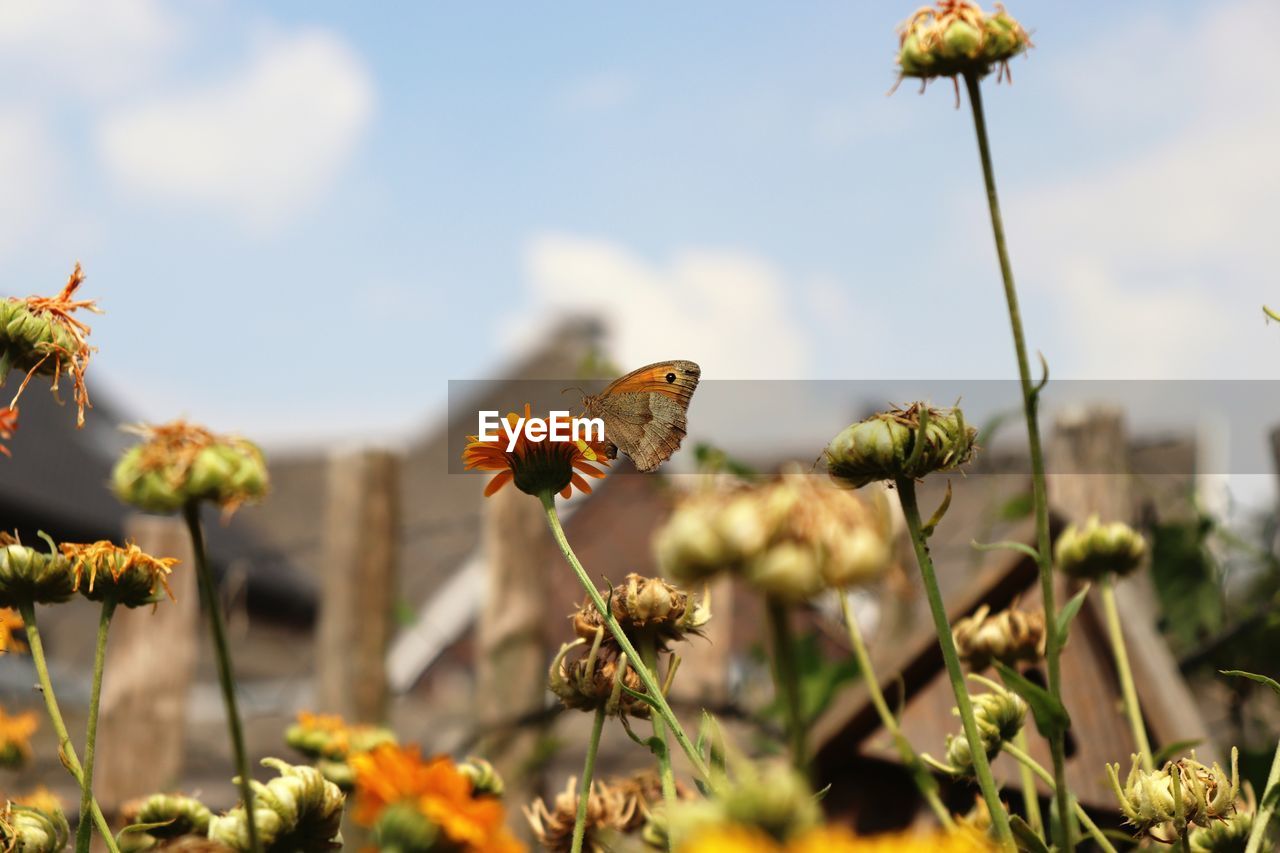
[(28, 576), (787, 572), (1094, 549), (689, 545), (177, 814), (298, 810), (485, 781), (772, 797), (957, 37), (31, 830), (999, 714), (178, 463), (884, 446), (402, 827), (1010, 636)]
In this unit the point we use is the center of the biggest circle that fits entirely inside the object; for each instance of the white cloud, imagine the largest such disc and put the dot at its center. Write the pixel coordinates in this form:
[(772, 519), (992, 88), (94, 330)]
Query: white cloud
[(31, 175), (730, 311), (261, 145), (93, 47)]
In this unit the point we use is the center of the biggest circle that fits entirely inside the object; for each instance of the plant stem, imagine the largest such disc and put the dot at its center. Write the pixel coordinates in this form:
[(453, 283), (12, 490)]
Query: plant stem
[(1034, 766), (66, 751), (84, 831), (588, 773), (1266, 806), (649, 657), (1131, 707), (786, 679), (226, 678), (923, 779), (652, 689), (1030, 403), (1030, 796), (981, 767)]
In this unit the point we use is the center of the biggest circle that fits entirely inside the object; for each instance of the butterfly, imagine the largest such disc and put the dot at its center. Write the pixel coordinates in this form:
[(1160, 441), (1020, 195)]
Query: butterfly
[(644, 411)]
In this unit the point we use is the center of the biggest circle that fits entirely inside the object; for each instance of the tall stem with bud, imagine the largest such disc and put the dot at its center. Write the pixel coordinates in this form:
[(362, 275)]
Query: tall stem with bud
[(1030, 406)]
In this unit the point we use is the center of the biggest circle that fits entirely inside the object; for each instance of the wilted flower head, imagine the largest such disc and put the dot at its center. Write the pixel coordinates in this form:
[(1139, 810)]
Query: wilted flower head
[(409, 802), (536, 467), (297, 810), (178, 463), (1094, 549), (789, 538), (32, 830), (957, 37), (646, 609), (15, 738), (128, 575), (28, 576), (609, 812), (40, 335), (591, 676), (1150, 805), (168, 816), (901, 444), (1010, 636), (1229, 834), (999, 714)]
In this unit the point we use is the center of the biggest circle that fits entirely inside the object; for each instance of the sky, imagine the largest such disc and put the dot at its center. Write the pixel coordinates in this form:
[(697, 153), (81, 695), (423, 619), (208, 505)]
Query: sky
[(303, 218)]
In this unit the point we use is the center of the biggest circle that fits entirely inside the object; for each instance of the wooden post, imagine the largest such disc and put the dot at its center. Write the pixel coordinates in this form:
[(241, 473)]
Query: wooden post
[(361, 548), (150, 664), (1088, 464), (511, 660)]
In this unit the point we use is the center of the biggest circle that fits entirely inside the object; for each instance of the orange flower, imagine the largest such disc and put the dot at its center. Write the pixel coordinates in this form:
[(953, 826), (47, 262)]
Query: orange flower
[(8, 423), (15, 737), (436, 790), (10, 624), (536, 466)]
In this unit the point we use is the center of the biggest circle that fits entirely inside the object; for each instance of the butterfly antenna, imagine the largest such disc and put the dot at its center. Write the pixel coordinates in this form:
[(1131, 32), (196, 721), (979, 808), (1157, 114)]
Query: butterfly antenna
[(573, 388)]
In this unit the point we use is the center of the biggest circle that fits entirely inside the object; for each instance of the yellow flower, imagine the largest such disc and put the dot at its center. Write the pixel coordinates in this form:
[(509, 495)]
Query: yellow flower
[(39, 335), (130, 575), (390, 777), (40, 798), (536, 466), (10, 624), (732, 838), (15, 737)]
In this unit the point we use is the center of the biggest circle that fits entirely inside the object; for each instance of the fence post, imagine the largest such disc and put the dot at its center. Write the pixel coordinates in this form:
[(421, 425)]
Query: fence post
[(361, 551)]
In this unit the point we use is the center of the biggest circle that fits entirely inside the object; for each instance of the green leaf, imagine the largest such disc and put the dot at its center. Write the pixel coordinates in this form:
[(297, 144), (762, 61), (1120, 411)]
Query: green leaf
[(1050, 714), (1020, 547), (820, 680), (1261, 679), (1017, 507), (1167, 752), (1025, 836), (136, 828), (938, 514), (1068, 613)]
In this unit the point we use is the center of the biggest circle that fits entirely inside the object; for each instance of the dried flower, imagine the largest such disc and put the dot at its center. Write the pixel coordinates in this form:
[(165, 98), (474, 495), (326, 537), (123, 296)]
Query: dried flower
[(536, 466), (128, 575), (40, 336), (15, 738), (591, 680), (999, 714), (1229, 834), (32, 830), (168, 816), (647, 609), (1095, 549), (901, 444), (299, 810), (8, 425), (11, 626), (178, 463), (28, 576), (609, 812), (1010, 636), (788, 538), (957, 37), (405, 798), (1150, 799)]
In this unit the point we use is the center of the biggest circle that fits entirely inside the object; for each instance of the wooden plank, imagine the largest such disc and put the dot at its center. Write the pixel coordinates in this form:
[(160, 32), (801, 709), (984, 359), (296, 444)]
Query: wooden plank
[(150, 665), (361, 551)]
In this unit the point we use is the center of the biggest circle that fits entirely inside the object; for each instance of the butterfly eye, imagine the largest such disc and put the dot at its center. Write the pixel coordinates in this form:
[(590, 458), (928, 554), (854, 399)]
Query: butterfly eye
[(671, 378)]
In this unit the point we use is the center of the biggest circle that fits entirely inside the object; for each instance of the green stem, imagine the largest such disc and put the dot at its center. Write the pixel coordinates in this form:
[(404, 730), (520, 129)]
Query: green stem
[(84, 832), (1034, 766), (981, 767), (1030, 402), (588, 773), (1030, 796), (652, 689), (786, 679), (226, 679), (1131, 707), (67, 752), (923, 779), (649, 657), (1266, 806)]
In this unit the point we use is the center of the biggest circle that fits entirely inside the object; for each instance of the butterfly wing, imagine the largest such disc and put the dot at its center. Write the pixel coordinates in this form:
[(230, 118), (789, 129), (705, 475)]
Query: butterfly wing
[(644, 411)]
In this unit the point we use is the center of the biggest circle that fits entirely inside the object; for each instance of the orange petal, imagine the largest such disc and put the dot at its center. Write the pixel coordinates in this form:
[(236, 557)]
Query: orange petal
[(498, 482)]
